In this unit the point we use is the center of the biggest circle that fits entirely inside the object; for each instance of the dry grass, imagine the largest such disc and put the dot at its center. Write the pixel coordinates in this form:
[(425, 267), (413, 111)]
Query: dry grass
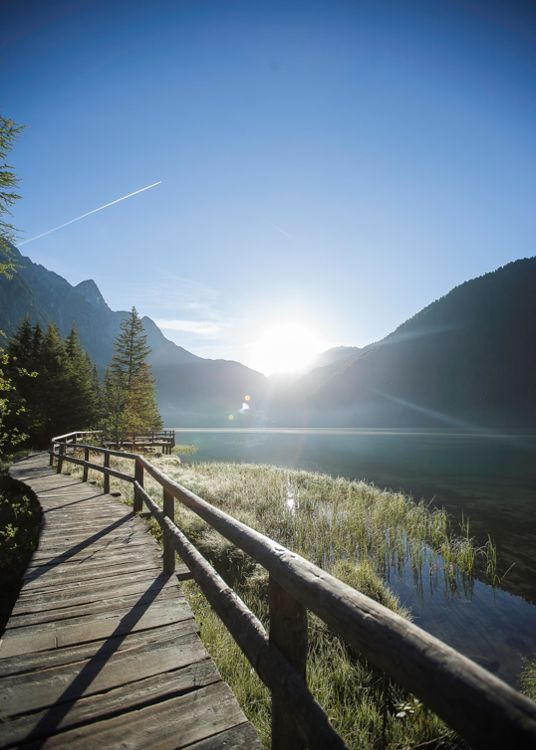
[(355, 531)]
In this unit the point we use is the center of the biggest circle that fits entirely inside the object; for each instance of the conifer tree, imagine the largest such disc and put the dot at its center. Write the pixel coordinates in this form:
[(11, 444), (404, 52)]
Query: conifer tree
[(63, 397), (21, 368), (129, 387), (9, 436), (81, 396), (9, 131), (51, 389)]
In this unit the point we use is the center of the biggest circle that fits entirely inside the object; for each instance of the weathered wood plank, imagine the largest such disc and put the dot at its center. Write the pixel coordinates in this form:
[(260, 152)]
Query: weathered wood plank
[(115, 701), (240, 737), (168, 725), (32, 662), (115, 566), (100, 640), (60, 614), (105, 669)]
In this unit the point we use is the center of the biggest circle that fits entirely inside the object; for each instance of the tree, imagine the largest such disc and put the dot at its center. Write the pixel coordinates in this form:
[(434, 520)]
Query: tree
[(129, 387), (8, 181), (19, 369), (82, 390), (65, 395), (9, 131)]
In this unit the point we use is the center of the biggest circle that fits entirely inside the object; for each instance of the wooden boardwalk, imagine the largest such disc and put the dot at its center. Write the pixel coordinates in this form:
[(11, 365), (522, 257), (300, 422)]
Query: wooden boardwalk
[(102, 649)]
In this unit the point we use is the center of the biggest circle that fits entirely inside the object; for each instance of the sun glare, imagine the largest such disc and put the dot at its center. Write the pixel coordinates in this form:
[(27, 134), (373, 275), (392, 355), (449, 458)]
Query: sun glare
[(286, 347)]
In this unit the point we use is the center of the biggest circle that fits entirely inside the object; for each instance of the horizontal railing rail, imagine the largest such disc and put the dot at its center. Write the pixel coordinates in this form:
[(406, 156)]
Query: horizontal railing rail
[(481, 708), (164, 439)]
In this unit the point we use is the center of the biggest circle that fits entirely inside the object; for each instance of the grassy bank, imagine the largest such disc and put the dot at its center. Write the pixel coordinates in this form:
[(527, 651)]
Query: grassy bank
[(358, 533)]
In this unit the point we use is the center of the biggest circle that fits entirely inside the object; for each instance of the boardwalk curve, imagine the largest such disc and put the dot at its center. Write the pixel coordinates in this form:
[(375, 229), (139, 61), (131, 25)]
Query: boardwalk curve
[(102, 648)]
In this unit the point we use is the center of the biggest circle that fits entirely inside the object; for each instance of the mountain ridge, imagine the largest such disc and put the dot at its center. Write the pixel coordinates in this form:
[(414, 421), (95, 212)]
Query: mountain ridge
[(467, 359), (45, 297)]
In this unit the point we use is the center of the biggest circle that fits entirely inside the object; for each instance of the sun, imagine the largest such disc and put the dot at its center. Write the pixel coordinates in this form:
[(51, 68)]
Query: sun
[(285, 347)]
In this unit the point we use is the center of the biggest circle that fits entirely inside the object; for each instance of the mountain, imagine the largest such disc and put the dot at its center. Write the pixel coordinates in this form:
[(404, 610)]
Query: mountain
[(334, 356), (467, 360), (191, 390)]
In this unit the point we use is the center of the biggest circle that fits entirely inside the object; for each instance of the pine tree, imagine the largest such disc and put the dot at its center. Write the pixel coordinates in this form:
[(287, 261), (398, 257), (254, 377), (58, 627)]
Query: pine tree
[(51, 391), (21, 369), (129, 387), (9, 131), (81, 400)]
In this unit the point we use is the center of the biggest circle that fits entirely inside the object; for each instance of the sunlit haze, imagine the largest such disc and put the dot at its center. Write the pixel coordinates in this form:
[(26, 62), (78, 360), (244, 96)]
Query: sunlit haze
[(285, 347)]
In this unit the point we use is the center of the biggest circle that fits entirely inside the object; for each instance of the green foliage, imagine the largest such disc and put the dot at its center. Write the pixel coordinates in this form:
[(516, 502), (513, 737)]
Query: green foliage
[(528, 680), (13, 419), (55, 387), (19, 518), (184, 450), (9, 403), (8, 182), (129, 389)]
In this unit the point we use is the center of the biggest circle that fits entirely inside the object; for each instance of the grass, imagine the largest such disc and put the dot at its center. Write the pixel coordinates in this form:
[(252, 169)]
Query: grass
[(184, 450), (355, 531), (527, 680)]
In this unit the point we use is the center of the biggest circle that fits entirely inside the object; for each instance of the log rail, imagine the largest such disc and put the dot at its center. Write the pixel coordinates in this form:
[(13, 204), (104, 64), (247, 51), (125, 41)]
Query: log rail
[(481, 708)]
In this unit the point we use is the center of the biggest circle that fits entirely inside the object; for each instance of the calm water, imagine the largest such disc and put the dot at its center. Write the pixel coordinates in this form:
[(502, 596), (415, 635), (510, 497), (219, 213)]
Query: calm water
[(490, 478)]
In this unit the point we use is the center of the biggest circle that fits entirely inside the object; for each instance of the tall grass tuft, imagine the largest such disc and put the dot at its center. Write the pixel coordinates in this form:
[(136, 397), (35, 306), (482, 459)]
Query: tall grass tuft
[(357, 532)]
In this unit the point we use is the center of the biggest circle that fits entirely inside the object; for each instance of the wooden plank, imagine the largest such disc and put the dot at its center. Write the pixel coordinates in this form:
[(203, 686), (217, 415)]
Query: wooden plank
[(75, 592), (239, 737), (115, 701), (81, 551), (57, 580), (66, 610), (67, 576), (104, 670), (83, 629), (168, 725), (32, 662), (100, 641)]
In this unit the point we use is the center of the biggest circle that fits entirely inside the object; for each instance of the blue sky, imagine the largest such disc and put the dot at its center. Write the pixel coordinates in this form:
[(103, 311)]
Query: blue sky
[(333, 164)]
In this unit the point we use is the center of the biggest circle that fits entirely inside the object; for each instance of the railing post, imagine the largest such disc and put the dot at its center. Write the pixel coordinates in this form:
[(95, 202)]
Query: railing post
[(169, 547), (86, 458), (61, 448), (106, 476), (288, 631), (51, 459), (138, 476)]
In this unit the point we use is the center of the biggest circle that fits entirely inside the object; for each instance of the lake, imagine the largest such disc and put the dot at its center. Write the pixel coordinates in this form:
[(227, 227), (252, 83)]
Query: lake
[(490, 478)]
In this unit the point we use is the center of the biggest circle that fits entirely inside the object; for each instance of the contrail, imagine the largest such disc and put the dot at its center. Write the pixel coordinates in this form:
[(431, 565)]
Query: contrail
[(280, 229), (94, 211)]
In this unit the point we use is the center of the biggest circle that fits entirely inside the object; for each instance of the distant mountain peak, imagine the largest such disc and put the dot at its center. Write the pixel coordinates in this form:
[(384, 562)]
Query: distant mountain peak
[(89, 290)]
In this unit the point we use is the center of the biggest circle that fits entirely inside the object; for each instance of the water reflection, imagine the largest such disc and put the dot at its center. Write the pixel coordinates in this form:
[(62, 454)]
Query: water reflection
[(489, 478)]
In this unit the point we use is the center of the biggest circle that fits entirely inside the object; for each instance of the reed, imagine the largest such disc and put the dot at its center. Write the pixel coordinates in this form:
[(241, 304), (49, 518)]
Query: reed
[(359, 533)]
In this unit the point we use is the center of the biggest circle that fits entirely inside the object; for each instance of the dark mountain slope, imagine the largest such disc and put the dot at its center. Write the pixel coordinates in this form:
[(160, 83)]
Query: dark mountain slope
[(468, 359), (190, 389)]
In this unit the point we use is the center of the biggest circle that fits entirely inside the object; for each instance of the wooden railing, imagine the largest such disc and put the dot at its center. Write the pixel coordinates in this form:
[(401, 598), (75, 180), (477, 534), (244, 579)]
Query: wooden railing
[(481, 708), (164, 439)]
